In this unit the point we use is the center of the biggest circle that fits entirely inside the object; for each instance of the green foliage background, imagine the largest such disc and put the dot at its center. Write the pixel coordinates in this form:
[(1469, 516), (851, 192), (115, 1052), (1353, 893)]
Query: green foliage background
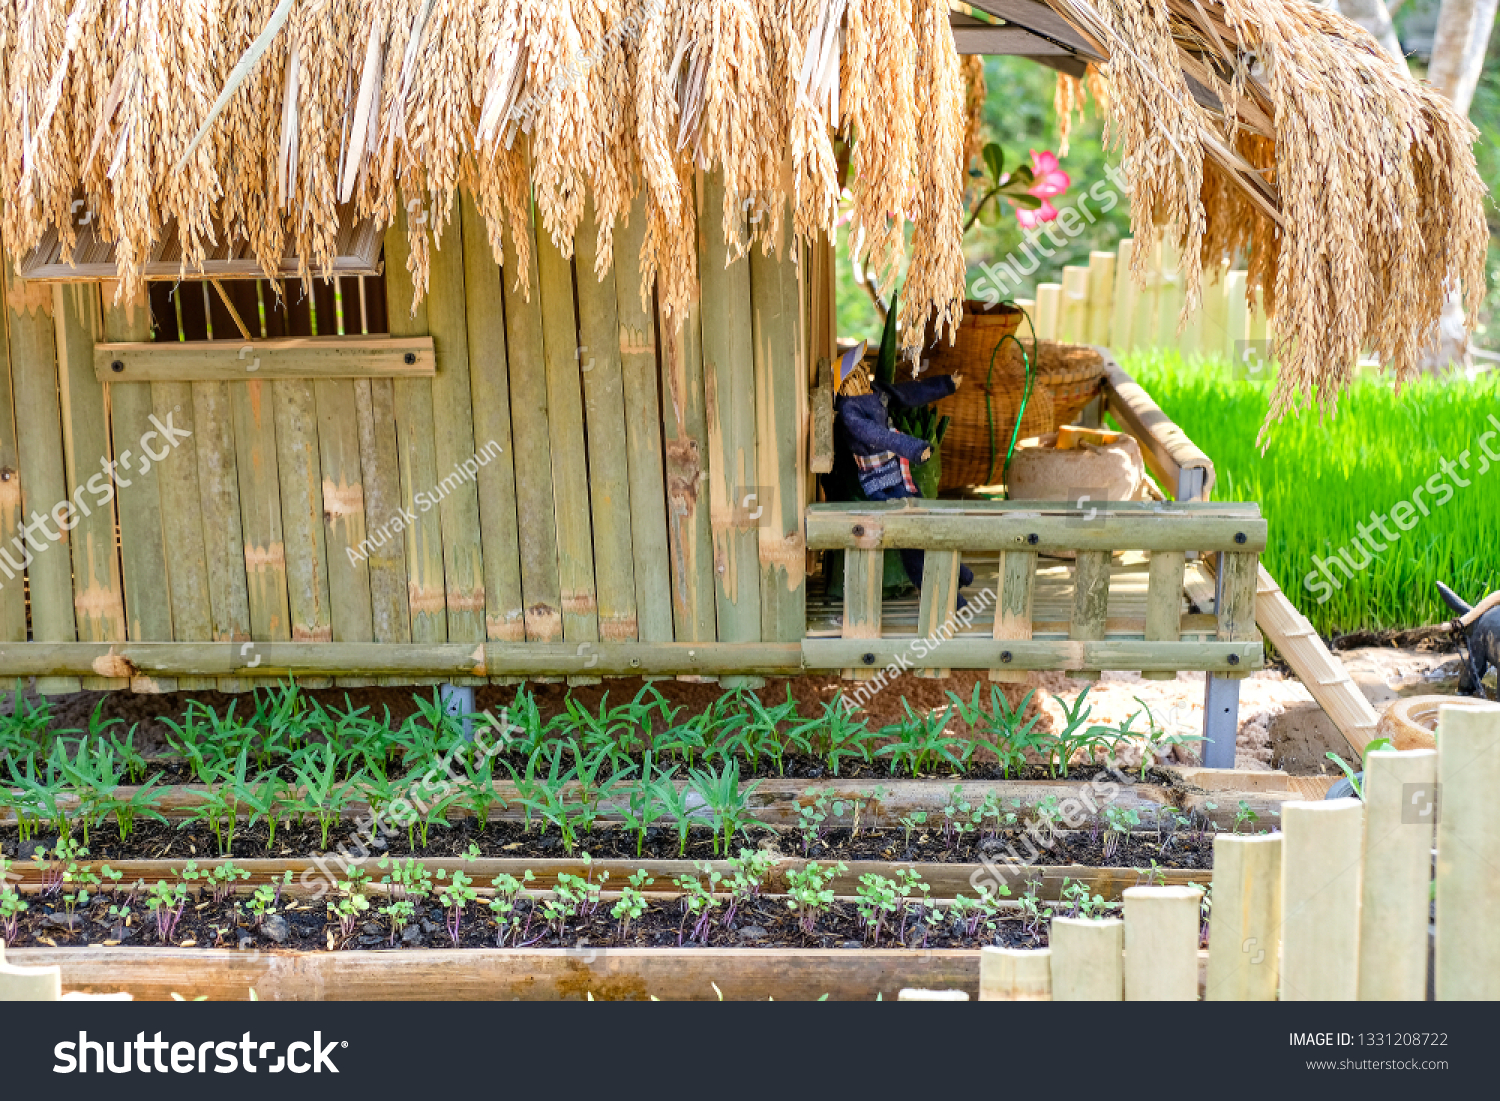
[(1319, 479)]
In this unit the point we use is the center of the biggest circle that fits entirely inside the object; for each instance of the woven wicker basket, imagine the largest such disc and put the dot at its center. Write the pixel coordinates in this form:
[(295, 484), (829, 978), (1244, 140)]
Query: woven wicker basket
[(1066, 377)]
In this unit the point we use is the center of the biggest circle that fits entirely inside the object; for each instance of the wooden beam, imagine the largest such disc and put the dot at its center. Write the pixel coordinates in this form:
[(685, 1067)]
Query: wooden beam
[(970, 652), (1040, 20), (232, 360), (941, 529), (503, 974), (1006, 41)]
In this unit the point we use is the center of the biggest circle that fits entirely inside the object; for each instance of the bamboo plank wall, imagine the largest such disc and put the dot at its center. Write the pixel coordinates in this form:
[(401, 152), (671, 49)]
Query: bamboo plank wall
[(575, 470)]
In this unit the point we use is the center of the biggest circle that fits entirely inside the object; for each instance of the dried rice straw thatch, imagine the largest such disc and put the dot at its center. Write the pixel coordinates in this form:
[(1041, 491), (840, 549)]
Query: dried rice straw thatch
[(1352, 187)]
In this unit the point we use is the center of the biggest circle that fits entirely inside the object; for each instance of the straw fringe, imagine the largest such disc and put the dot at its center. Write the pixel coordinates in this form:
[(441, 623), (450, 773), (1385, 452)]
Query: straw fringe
[(1352, 188)]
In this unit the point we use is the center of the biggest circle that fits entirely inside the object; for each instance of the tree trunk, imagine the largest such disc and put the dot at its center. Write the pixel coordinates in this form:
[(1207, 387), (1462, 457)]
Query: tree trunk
[(1458, 48), (1458, 51), (1375, 17)]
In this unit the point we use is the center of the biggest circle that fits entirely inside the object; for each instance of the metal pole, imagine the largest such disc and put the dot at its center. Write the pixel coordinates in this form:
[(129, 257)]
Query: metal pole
[(1221, 702), (458, 700)]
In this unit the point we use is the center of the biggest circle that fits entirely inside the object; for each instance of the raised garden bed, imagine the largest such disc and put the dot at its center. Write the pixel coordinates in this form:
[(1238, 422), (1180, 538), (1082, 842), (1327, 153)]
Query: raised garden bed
[(855, 864), (492, 974)]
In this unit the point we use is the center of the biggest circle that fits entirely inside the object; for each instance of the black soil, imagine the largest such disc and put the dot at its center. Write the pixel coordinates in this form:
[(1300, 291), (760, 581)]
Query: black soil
[(153, 841), (763, 922)]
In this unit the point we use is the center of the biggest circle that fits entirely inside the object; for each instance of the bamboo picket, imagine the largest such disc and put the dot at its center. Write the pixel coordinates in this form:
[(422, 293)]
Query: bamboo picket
[(1101, 304)]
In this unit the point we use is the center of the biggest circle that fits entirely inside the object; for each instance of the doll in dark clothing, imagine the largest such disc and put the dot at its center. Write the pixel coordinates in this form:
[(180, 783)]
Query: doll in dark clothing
[(882, 456)]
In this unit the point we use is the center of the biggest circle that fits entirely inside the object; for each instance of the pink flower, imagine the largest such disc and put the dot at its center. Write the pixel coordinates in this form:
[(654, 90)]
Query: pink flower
[(1030, 219), (1050, 179)]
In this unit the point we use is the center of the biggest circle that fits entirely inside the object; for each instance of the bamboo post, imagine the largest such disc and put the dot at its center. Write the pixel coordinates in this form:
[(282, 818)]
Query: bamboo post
[(606, 436), (416, 456), (29, 984), (1087, 964), (1213, 338), (1073, 307), (541, 588), (43, 482), (1244, 939), (1143, 323), (1015, 974), (1170, 296), (570, 476), (1101, 298), (1048, 310), (13, 588), (643, 421), (1123, 307), (1320, 874), (454, 445), (781, 414), (1236, 319), (1090, 602), (733, 468), (143, 550), (1400, 812), (864, 572), (1165, 574), (1161, 944), (98, 601), (910, 994), (1238, 575), (1013, 611), (1026, 333), (1467, 964), (935, 610), (489, 383)]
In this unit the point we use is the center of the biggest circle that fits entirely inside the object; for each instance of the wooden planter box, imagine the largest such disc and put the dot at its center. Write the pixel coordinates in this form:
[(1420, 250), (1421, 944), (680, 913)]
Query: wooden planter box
[(498, 974)]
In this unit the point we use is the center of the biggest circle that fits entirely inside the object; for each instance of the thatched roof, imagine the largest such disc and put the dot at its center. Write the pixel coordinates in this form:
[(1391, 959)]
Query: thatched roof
[(1249, 123)]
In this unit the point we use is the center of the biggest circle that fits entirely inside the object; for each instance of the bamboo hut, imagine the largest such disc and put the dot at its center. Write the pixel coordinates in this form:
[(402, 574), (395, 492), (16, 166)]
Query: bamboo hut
[(405, 341)]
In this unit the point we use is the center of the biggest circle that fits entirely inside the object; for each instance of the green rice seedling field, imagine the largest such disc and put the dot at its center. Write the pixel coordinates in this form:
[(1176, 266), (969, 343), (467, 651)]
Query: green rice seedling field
[(1366, 509)]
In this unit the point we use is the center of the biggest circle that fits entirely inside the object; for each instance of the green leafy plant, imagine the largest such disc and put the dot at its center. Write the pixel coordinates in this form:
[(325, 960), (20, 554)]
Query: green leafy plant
[(12, 906), (351, 903), (1080, 903), (324, 795), (1001, 723), (40, 798), (642, 809), (165, 903), (960, 816), (1152, 876), (748, 872), (674, 801), (921, 743), (837, 735), (913, 821), (1158, 741), (267, 897), (808, 894), (811, 817), (698, 901), (1349, 773), (222, 878), (632, 903), (970, 916), (505, 905), (1118, 823), (454, 896), (726, 800), (997, 183)]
